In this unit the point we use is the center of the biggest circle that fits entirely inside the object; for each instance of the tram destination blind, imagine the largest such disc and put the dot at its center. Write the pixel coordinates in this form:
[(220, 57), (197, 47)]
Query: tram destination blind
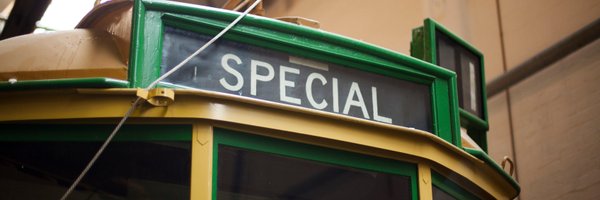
[(455, 57), (250, 71)]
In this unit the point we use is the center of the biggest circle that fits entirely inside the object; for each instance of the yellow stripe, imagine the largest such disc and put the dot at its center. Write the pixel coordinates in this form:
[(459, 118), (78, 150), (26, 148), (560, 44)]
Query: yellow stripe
[(425, 188), (271, 119), (201, 180)]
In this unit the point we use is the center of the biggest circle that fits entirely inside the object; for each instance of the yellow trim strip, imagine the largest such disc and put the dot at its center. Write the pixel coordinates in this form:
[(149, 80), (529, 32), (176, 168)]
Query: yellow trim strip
[(425, 188), (227, 110), (202, 147), (264, 103)]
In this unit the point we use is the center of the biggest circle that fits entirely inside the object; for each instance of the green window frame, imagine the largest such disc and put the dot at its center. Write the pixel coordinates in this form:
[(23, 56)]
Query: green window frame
[(94, 132), (424, 47), (312, 153), (150, 18)]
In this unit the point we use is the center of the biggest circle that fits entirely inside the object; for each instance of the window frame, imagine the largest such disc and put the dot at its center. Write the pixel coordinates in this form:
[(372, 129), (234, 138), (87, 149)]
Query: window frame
[(309, 152), (425, 47), (450, 187), (96, 132)]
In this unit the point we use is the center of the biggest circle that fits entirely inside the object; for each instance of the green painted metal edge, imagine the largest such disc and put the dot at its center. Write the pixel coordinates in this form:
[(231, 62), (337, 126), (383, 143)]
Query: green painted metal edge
[(450, 187), (93, 132), (97, 82), (453, 99), (472, 121), (485, 158), (136, 56), (145, 56), (311, 152), (450, 132)]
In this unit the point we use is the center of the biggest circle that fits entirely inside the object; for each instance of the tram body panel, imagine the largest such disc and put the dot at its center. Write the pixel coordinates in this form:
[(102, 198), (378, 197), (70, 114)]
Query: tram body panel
[(258, 110)]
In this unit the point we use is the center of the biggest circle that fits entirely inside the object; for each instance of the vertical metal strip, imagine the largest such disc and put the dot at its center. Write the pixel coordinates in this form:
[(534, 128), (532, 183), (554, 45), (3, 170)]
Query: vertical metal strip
[(202, 162), (424, 179)]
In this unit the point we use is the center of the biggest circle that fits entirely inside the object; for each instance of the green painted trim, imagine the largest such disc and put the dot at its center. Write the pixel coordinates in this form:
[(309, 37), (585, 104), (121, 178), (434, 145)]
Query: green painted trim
[(146, 58), (430, 45), (81, 132), (453, 99), (417, 48), (447, 119), (450, 187), (136, 55), (310, 152), (97, 82), (471, 121), (485, 158)]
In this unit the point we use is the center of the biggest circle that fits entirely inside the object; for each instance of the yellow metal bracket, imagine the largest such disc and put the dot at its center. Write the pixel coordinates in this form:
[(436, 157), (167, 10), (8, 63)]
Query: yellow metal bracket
[(157, 96)]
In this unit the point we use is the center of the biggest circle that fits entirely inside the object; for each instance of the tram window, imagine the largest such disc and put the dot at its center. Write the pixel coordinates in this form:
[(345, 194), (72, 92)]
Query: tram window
[(453, 56), (40, 162), (446, 189), (251, 174), (439, 194)]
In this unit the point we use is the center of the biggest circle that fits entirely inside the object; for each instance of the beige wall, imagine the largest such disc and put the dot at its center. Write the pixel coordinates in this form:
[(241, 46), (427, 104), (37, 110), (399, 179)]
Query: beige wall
[(386, 23), (531, 26), (556, 127), (552, 117)]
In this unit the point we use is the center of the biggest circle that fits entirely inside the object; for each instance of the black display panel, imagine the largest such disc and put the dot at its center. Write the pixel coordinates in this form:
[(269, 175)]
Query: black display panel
[(246, 174), (453, 56), (251, 71)]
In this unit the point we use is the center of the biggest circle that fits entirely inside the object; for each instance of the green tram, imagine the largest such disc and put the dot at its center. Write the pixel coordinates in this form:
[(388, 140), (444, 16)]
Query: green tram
[(272, 110)]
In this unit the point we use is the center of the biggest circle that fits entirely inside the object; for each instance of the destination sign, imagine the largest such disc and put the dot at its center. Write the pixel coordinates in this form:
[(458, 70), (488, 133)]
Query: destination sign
[(256, 72), (467, 66)]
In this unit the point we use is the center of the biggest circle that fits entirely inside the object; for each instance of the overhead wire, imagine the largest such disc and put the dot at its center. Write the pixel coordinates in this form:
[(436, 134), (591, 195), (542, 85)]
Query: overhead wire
[(152, 85)]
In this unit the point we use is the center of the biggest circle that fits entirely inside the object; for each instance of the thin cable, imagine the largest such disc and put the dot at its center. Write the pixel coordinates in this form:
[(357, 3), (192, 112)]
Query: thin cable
[(91, 163), (205, 45), (137, 101)]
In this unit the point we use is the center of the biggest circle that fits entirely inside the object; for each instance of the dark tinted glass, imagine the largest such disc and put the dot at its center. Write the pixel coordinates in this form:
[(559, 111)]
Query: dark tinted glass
[(446, 54), (126, 170), (446, 189), (405, 103), (453, 56), (439, 194), (245, 174)]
